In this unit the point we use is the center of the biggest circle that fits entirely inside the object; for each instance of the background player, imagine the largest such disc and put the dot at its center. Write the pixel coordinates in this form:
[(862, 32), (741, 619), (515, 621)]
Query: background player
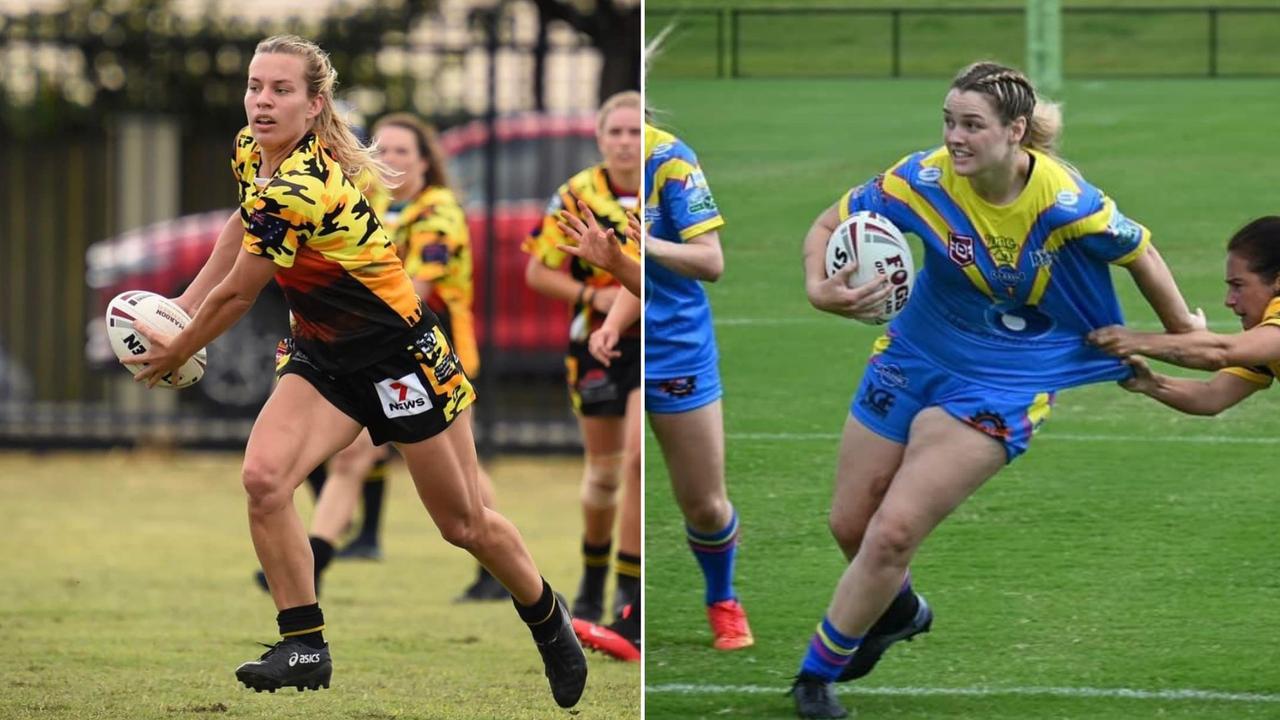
[(1018, 247), (682, 375), (606, 399)]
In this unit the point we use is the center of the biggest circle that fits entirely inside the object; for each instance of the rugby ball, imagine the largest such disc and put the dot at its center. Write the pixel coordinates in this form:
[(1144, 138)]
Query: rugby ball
[(160, 313), (880, 249)]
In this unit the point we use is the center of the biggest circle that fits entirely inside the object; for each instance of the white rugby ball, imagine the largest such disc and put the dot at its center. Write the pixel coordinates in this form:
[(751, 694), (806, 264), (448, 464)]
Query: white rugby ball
[(160, 313), (880, 249)]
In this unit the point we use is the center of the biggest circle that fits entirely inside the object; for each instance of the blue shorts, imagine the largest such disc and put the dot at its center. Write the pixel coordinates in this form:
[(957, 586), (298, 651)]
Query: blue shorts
[(898, 384), (684, 393)]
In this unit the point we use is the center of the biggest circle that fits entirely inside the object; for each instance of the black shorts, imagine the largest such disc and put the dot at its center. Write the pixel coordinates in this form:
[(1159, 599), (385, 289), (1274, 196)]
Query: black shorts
[(599, 391), (408, 396)]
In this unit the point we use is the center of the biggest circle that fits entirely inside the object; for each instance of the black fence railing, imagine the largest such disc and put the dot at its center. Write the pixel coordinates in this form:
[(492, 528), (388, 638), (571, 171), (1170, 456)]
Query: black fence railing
[(1101, 42)]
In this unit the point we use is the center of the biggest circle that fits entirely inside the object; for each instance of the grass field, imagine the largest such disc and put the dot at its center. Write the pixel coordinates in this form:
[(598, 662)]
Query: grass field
[(1124, 568), (854, 38), (125, 593)]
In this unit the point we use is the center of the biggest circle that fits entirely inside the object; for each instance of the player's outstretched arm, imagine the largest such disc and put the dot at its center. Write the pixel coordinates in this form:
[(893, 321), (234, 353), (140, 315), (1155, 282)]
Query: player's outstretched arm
[(216, 267), (833, 294), (1194, 397), (1156, 282), (1199, 350), (599, 247)]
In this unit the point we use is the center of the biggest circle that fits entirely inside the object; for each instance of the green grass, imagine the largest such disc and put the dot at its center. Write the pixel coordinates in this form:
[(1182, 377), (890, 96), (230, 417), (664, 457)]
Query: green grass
[(839, 43), (125, 592), (1127, 549)]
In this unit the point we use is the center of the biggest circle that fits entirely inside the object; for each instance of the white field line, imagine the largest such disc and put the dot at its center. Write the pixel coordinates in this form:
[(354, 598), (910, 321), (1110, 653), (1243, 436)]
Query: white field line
[(815, 318), (1049, 436), (1066, 692)]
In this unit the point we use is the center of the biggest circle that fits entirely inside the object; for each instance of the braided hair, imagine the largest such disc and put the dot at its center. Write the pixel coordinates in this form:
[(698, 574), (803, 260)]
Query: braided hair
[(1013, 96)]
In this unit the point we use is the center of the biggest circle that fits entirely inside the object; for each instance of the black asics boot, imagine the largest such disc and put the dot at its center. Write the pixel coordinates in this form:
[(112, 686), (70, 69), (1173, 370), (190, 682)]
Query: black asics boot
[(564, 661), (878, 640), (288, 663), (816, 698)]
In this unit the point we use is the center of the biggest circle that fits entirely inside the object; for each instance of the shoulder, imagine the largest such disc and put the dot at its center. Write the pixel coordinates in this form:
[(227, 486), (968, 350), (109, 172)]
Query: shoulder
[(1064, 191), (583, 180), (662, 147)]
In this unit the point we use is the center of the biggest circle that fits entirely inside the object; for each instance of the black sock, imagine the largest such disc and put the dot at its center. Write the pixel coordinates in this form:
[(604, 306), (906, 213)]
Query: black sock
[(628, 623), (372, 493), (323, 553), (542, 617), (316, 479), (899, 613), (305, 623), (628, 576), (483, 573), (595, 569)]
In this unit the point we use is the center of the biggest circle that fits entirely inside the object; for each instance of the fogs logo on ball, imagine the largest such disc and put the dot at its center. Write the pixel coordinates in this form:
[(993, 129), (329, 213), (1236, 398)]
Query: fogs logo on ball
[(403, 396)]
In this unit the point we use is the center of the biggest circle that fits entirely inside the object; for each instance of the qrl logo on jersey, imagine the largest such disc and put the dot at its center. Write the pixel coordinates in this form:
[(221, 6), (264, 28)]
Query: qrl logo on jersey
[(303, 658), (403, 396)]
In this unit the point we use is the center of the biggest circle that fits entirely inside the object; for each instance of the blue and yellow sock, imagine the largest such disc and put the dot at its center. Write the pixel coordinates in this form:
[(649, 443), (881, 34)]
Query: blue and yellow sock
[(715, 553), (829, 652)]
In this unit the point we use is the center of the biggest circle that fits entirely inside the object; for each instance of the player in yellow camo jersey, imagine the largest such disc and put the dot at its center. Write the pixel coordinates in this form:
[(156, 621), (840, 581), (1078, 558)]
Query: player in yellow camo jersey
[(1245, 362), (366, 354), (606, 399)]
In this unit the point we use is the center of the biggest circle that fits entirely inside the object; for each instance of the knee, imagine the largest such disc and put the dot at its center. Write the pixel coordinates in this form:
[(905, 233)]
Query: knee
[(848, 531), (265, 484), (600, 481), (464, 531), (707, 514), (890, 540)]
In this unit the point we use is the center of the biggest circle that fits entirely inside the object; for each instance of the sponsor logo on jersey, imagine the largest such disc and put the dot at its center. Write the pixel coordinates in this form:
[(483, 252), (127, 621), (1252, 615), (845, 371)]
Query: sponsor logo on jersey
[(404, 396), (1043, 258), (891, 374), (960, 249), (1068, 199), (679, 387), (990, 422), (1008, 274), (878, 401), (929, 176)]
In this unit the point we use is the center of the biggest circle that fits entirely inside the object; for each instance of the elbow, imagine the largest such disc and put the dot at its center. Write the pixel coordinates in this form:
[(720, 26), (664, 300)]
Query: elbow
[(713, 268)]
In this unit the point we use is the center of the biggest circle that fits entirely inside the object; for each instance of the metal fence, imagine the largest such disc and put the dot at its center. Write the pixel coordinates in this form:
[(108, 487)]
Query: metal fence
[(127, 199), (1099, 42)]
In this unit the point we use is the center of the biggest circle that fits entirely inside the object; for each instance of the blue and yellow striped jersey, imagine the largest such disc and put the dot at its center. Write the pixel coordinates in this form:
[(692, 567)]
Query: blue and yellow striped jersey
[(1007, 293), (678, 206), (1262, 374)]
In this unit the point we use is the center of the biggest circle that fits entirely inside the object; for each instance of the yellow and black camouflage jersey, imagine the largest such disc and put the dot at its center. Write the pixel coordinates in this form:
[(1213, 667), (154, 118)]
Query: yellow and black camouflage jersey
[(430, 233), (351, 301), (1262, 374), (609, 207)]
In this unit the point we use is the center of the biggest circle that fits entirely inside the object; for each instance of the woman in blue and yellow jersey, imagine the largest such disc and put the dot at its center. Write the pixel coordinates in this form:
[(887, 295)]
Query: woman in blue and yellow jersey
[(681, 375), (1245, 362), (1018, 248), (366, 354), (606, 399)]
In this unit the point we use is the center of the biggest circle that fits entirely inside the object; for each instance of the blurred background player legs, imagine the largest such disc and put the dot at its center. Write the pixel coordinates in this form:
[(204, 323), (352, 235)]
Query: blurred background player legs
[(367, 543)]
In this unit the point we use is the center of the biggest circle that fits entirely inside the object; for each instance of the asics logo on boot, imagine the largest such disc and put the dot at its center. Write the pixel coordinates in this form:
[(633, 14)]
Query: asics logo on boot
[(303, 658)]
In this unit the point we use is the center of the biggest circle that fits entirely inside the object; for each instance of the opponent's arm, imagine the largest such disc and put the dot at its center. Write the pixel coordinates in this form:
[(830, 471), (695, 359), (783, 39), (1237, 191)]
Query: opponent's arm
[(1156, 282), (699, 257), (1194, 397), (833, 294), (226, 303), (1201, 349), (216, 267)]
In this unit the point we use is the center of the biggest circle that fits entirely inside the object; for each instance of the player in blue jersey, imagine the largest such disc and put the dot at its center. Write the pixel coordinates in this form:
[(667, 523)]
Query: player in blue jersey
[(1245, 362), (682, 378), (1018, 248)]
